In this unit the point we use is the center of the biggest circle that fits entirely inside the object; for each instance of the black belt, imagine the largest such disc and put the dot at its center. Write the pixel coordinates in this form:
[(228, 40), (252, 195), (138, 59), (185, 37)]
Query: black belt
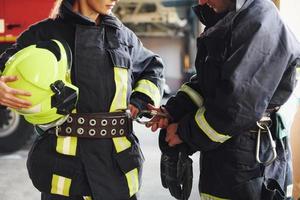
[(95, 125)]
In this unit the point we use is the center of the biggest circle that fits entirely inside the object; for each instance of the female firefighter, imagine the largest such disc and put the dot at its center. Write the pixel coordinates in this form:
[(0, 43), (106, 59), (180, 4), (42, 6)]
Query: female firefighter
[(94, 154)]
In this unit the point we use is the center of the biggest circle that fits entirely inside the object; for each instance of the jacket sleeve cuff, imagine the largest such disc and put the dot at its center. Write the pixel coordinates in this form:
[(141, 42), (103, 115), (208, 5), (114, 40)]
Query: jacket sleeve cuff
[(140, 100)]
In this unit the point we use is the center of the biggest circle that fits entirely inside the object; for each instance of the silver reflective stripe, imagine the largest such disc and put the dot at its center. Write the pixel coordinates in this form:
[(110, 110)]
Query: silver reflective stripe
[(207, 129), (193, 94)]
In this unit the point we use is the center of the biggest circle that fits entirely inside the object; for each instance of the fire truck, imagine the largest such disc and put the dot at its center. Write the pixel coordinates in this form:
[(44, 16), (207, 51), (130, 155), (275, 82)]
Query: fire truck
[(15, 17)]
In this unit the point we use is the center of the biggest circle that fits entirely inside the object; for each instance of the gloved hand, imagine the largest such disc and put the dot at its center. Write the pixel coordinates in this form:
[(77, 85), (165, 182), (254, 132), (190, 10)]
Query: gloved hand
[(176, 168)]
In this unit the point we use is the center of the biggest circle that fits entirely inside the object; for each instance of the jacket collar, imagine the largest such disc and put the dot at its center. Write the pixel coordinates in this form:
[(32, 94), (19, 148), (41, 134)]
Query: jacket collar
[(66, 13), (208, 17)]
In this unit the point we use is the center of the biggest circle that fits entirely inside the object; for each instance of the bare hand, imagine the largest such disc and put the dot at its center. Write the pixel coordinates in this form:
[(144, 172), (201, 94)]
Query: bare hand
[(8, 95), (172, 137), (133, 110), (157, 121)]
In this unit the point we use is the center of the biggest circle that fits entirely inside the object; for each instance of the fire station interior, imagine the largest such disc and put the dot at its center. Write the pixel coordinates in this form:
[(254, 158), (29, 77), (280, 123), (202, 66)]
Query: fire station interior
[(167, 27)]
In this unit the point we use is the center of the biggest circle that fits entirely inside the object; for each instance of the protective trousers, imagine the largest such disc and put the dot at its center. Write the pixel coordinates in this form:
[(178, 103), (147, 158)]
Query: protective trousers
[(232, 172)]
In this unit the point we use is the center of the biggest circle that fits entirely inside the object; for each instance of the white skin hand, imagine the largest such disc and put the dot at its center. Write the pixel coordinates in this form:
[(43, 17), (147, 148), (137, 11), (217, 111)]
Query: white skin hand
[(133, 110), (8, 96), (157, 121), (172, 137)]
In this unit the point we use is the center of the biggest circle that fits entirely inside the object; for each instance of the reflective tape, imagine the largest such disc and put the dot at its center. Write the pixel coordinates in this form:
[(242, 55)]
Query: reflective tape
[(205, 196), (66, 145), (120, 103), (133, 181), (207, 129), (193, 94), (60, 185), (150, 89), (87, 198)]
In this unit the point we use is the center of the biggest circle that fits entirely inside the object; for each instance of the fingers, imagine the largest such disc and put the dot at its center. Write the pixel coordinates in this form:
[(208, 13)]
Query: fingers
[(133, 110), (8, 78), (8, 96), (172, 137)]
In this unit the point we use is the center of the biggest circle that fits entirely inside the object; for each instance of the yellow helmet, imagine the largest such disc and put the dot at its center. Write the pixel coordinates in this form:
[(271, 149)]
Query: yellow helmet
[(44, 70)]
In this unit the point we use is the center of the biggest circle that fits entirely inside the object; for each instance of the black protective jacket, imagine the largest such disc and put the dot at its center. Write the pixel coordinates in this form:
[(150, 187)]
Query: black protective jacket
[(111, 68), (245, 64)]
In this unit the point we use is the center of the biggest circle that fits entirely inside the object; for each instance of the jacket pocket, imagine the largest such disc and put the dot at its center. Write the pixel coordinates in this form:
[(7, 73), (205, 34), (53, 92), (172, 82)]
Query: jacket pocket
[(120, 57), (44, 163)]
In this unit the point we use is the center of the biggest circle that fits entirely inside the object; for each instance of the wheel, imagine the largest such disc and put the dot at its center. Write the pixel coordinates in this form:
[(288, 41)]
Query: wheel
[(15, 132)]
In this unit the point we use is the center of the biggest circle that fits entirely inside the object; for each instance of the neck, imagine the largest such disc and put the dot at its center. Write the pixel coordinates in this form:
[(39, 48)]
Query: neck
[(83, 8)]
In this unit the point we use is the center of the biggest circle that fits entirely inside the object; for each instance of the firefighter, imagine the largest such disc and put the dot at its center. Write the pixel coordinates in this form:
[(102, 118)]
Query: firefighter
[(94, 154), (245, 66)]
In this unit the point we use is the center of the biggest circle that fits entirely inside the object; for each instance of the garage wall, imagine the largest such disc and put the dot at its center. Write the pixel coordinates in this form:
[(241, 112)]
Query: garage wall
[(171, 51), (290, 10)]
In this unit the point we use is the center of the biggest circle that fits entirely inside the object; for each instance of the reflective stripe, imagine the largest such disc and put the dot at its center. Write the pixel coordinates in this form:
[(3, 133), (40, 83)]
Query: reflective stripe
[(133, 181), (121, 80), (150, 89), (193, 94), (60, 185), (210, 197), (289, 190), (207, 129), (87, 198), (66, 145), (8, 38), (120, 103), (122, 143)]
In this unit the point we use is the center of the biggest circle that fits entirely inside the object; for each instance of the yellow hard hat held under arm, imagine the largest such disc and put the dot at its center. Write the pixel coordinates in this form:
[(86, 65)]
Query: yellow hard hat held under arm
[(43, 69)]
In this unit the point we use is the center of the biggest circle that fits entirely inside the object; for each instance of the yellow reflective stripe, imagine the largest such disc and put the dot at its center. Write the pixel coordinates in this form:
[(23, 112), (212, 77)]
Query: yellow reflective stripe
[(87, 198), (205, 196), (120, 98), (121, 143), (8, 38), (120, 103), (66, 145), (207, 129), (60, 185), (193, 94), (150, 89), (133, 181)]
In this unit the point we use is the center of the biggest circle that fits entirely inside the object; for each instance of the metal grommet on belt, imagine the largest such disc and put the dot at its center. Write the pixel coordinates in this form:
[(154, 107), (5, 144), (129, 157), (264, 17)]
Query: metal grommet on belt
[(69, 119), (92, 132), (80, 120), (103, 132), (122, 121), (92, 122), (104, 122), (80, 131), (113, 131), (121, 131), (68, 130), (114, 122)]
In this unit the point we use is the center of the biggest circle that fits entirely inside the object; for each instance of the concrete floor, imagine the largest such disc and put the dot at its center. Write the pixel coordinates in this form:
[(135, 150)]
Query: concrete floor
[(16, 185)]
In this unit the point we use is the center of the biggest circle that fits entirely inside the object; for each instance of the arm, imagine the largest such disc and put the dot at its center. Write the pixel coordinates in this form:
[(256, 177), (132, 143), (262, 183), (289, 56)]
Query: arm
[(258, 73), (147, 75)]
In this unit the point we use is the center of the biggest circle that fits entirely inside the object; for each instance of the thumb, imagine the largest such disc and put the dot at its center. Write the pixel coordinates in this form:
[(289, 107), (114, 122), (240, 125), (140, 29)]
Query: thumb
[(9, 78)]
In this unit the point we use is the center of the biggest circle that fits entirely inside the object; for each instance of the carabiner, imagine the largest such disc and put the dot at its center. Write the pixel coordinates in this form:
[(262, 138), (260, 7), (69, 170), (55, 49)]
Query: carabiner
[(145, 113), (272, 142)]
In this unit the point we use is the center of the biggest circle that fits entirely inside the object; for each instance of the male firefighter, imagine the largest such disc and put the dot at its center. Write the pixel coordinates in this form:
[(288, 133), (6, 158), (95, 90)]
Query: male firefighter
[(94, 154), (245, 67)]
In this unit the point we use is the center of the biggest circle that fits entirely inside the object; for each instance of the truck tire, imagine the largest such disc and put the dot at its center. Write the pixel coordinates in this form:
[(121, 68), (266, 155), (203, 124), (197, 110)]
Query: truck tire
[(15, 132)]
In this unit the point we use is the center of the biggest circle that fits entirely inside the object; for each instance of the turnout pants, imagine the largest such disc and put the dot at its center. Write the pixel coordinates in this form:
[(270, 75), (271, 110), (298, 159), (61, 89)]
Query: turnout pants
[(232, 172)]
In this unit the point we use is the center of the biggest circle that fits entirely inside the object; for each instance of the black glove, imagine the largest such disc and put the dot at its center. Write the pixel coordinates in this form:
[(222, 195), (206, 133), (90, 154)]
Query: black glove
[(176, 168)]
